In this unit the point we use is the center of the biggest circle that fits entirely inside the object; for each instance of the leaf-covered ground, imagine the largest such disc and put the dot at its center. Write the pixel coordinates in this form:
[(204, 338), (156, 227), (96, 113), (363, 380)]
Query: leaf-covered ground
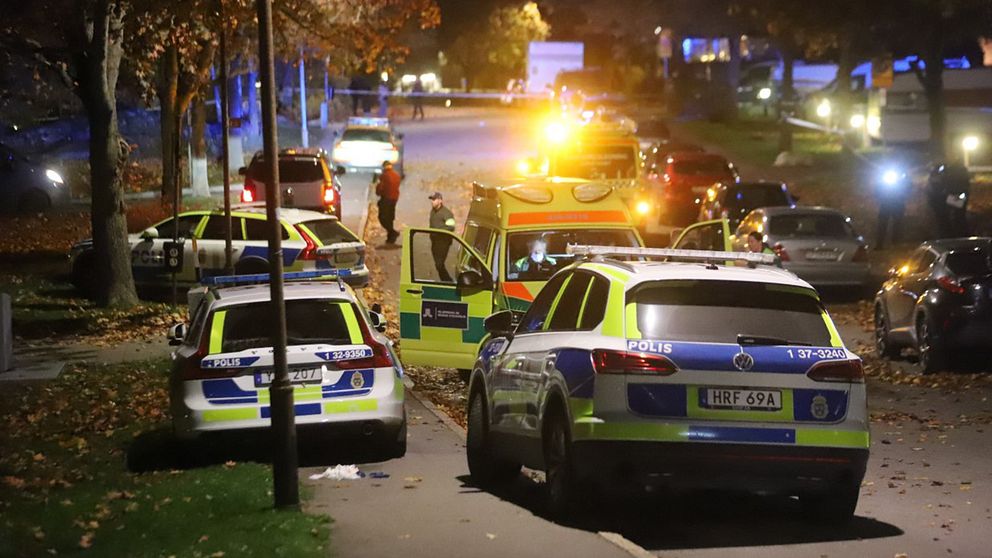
[(70, 481)]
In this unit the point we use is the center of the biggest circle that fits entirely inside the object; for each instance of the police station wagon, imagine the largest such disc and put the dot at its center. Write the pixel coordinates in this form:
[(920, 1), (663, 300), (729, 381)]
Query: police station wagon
[(674, 375)]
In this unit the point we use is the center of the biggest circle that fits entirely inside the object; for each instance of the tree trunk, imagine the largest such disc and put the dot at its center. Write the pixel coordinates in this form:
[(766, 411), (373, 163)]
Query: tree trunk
[(198, 144), (167, 90), (933, 85), (843, 99), (98, 91), (786, 101)]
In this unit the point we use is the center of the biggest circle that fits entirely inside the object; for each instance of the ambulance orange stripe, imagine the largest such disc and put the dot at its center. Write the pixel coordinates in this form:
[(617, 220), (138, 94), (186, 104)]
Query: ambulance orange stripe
[(550, 217), (517, 290)]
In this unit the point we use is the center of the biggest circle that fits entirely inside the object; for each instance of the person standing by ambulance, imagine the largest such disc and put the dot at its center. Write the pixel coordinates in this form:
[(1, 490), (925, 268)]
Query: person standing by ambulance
[(388, 189), (441, 218)]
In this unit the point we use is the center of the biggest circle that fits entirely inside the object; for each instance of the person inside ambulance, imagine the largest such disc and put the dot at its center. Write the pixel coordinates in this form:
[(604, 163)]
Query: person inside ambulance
[(537, 261)]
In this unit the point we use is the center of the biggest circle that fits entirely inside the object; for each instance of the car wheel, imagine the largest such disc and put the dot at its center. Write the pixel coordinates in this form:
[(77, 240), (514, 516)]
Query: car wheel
[(883, 346), (834, 507), (253, 266), (932, 357), (558, 466), (84, 274), (395, 446), (486, 469)]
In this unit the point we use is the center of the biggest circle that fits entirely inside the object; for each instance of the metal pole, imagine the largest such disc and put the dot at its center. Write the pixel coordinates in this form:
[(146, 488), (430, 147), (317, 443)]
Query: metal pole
[(176, 197), (284, 460), (225, 124), (304, 133)]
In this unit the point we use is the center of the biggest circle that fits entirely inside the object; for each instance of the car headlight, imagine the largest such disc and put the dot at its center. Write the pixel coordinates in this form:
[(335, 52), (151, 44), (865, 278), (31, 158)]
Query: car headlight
[(54, 176), (890, 177), (643, 207)]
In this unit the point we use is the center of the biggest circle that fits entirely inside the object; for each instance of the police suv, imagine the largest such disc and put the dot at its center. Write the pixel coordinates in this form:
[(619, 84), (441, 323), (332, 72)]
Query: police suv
[(343, 369), (678, 375)]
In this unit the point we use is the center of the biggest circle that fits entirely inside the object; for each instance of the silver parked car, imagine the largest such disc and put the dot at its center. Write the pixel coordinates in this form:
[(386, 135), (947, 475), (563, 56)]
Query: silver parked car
[(816, 243)]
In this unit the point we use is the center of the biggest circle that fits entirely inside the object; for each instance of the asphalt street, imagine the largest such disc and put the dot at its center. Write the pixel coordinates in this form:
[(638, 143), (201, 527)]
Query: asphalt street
[(928, 490)]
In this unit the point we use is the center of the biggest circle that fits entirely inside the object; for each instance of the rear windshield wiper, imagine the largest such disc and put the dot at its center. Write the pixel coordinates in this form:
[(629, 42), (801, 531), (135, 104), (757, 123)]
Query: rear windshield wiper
[(745, 339)]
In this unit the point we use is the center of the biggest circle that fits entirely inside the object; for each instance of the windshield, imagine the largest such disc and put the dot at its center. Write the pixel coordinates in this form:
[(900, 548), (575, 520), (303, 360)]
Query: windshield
[(969, 262), (537, 255), (705, 167), (308, 321), (291, 170), (330, 231), (753, 195), (599, 161), (819, 226), (717, 311), (361, 134)]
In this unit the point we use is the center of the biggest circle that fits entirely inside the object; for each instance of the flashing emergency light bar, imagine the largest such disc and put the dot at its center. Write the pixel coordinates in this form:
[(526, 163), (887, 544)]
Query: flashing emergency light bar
[(256, 278), (708, 256)]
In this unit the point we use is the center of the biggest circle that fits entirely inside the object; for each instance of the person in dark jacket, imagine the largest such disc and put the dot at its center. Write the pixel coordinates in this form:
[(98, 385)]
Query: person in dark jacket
[(441, 218), (388, 189), (948, 190), (418, 100)]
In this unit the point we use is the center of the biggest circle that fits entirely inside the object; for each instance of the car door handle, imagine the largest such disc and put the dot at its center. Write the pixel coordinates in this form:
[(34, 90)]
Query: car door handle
[(415, 291)]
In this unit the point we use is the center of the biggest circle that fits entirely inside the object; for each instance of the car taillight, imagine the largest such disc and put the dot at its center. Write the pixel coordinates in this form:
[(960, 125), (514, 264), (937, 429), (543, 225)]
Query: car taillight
[(248, 192), (623, 362), (861, 255), (837, 371), (380, 353), (781, 252), (310, 252), (328, 195), (950, 285)]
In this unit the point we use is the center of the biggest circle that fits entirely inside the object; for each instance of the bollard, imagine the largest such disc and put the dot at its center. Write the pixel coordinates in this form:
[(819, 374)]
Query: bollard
[(6, 334)]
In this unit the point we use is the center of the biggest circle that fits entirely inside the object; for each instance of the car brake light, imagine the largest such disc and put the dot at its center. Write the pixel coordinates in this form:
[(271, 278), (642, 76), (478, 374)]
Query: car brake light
[(837, 371), (248, 192), (380, 353), (950, 285), (623, 362), (781, 252), (328, 195), (310, 252), (861, 255)]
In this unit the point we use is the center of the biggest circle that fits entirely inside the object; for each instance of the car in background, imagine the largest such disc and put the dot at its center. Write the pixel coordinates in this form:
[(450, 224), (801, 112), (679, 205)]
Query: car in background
[(818, 244), (938, 303), (304, 177), (685, 178), (345, 376), (652, 131), (734, 200), (366, 143), (310, 241), (27, 186)]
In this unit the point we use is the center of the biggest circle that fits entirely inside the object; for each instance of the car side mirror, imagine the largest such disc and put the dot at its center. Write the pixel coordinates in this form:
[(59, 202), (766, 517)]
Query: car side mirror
[(149, 234), (378, 321), (471, 278), (176, 334), (339, 171), (243, 171), (501, 323)]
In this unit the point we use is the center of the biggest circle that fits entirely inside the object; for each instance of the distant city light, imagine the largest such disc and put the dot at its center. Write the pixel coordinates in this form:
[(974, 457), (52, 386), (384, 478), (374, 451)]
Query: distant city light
[(970, 143), (384, 76), (657, 30), (429, 77), (857, 121), (823, 109), (765, 93)]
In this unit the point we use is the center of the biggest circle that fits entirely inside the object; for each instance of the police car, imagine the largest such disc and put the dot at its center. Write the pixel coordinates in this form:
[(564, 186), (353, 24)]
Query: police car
[(344, 372), (366, 143), (310, 240), (672, 375)]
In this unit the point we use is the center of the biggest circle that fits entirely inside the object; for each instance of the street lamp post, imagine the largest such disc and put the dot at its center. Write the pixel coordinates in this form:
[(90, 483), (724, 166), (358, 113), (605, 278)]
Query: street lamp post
[(284, 459), (225, 126)]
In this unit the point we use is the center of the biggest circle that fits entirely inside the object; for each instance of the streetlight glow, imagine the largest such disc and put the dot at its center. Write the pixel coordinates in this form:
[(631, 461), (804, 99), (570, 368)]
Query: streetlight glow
[(857, 121), (823, 109), (970, 143), (765, 93)]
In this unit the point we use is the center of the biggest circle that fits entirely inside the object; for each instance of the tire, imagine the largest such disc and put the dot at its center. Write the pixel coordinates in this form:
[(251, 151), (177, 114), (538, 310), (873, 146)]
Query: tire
[(252, 266), (395, 447), (486, 469), (84, 274), (931, 355), (835, 507), (884, 348), (559, 468), (34, 201)]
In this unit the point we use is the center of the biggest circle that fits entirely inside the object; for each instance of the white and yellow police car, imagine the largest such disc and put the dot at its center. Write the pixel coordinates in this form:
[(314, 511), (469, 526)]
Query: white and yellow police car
[(672, 375), (343, 369), (311, 240), (366, 143)]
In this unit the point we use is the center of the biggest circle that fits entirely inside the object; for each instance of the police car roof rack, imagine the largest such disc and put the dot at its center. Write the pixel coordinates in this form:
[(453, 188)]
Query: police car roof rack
[(753, 259), (263, 278)]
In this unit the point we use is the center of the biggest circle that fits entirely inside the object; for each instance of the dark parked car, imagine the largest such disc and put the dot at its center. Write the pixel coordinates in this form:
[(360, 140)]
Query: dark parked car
[(27, 186), (733, 201), (938, 303)]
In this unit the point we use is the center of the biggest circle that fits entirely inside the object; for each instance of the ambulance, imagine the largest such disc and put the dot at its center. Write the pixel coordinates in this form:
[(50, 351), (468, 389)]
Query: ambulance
[(515, 238)]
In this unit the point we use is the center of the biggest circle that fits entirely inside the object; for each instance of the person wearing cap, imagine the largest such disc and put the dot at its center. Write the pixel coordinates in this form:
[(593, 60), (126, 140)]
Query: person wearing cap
[(388, 189), (441, 218)]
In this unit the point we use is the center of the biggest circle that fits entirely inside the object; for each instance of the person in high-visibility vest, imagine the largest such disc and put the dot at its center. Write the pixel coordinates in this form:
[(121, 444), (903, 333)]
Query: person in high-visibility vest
[(441, 218)]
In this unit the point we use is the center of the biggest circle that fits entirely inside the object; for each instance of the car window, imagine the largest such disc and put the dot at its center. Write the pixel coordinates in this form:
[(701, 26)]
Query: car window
[(566, 314), (308, 321), (537, 314), (440, 258), (717, 311), (594, 307), (330, 231), (755, 195), (810, 225), (922, 260), (967, 262), (291, 170), (703, 167), (481, 241), (358, 134), (537, 255), (196, 324), (187, 224), (258, 229), (216, 230), (704, 237)]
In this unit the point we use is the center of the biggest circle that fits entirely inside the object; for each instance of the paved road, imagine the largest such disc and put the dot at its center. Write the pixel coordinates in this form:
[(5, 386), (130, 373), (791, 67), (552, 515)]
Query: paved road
[(928, 490)]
